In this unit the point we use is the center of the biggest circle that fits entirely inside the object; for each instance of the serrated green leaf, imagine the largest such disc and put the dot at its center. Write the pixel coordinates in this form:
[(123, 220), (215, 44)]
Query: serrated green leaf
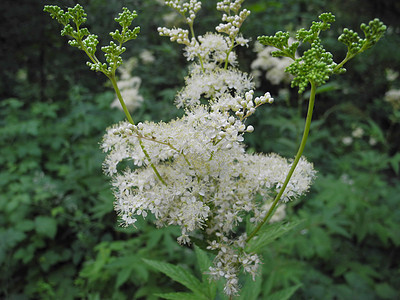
[(122, 276), (269, 233), (204, 263), (178, 274), (284, 294), (321, 242), (203, 260)]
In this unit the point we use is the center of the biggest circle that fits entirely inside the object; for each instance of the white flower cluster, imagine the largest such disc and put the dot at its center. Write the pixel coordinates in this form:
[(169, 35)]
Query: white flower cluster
[(212, 83), (211, 47), (274, 66), (147, 57), (129, 86), (194, 172), (391, 75), (229, 260), (393, 97)]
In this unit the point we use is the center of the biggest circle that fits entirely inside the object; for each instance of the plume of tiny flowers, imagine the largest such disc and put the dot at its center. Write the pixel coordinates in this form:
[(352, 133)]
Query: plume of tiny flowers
[(209, 182)]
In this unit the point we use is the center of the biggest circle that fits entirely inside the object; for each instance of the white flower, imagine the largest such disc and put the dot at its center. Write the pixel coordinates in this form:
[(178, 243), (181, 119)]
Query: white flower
[(393, 97), (372, 141), (358, 133), (274, 66), (147, 57), (347, 140), (391, 75), (212, 83), (194, 172)]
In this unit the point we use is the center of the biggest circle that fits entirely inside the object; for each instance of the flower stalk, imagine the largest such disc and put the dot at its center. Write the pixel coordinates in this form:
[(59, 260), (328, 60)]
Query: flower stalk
[(294, 164)]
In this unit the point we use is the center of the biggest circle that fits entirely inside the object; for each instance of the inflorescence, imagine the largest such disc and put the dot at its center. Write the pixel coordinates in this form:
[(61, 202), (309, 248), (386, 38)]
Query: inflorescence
[(194, 172), (316, 64)]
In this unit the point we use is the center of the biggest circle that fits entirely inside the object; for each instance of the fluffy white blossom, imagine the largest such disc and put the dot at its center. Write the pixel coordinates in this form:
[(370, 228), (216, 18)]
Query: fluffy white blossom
[(211, 182), (274, 67), (147, 57), (347, 140), (212, 83), (194, 171), (358, 133), (393, 97), (211, 47), (391, 75)]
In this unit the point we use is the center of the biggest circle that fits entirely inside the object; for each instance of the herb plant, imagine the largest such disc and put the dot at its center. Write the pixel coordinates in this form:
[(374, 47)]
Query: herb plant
[(194, 171)]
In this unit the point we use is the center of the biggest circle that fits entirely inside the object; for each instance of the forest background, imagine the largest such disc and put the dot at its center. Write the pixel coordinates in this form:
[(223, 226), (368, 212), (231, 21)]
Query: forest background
[(59, 235)]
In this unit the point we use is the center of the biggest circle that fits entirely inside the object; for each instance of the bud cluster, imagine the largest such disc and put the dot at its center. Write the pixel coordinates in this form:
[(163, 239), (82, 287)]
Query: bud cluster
[(233, 23), (187, 9), (179, 35), (246, 107), (316, 65), (89, 44), (227, 5), (373, 32)]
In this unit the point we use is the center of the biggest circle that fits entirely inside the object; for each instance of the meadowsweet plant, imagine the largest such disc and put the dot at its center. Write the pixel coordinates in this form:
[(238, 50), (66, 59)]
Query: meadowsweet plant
[(194, 171), (87, 42)]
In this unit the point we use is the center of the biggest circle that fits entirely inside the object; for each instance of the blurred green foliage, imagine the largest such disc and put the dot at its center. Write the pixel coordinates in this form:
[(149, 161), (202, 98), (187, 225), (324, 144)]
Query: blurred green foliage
[(59, 235)]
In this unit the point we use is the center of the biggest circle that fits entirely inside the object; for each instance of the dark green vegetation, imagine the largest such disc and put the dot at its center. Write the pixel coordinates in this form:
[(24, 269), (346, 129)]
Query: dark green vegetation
[(59, 235)]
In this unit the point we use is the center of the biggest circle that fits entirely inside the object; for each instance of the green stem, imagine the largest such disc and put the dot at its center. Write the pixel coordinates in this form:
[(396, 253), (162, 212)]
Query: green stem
[(129, 117), (346, 59), (151, 164), (121, 100), (294, 164), (200, 59), (229, 52)]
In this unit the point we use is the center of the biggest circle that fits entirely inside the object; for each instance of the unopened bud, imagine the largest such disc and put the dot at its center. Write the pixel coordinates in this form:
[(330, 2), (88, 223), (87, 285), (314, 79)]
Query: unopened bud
[(250, 128)]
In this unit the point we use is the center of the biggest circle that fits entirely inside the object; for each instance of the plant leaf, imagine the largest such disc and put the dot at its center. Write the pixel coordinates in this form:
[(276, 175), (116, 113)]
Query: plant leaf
[(46, 226), (178, 274), (284, 294), (122, 277), (269, 233), (204, 263), (202, 259)]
